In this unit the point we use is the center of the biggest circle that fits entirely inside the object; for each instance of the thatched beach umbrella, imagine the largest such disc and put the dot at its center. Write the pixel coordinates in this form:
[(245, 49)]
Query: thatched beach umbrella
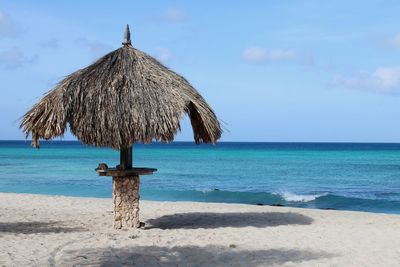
[(123, 98)]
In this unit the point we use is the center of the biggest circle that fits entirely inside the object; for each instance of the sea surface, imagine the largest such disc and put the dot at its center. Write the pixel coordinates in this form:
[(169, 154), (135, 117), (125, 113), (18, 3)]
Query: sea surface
[(343, 176)]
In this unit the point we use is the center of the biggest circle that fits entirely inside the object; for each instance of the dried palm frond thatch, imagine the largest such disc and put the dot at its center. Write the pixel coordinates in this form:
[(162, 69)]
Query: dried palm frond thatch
[(124, 97)]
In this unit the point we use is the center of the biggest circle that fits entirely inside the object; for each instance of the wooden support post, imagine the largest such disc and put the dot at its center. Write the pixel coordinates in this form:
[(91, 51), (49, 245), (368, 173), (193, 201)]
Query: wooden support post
[(125, 191), (125, 158)]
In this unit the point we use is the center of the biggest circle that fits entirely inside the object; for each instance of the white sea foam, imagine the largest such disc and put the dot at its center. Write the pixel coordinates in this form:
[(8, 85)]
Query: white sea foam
[(300, 198), (206, 190)]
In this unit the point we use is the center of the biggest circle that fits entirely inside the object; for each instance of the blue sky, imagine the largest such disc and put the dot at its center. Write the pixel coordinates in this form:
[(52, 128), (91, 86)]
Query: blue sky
[(272, 70)]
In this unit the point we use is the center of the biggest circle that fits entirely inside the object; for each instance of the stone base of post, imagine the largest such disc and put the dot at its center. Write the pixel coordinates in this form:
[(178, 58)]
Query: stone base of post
[(126, 202)]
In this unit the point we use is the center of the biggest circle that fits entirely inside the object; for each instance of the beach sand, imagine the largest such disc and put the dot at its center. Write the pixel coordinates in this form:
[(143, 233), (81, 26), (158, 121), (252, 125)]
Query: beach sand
[(38, 230)]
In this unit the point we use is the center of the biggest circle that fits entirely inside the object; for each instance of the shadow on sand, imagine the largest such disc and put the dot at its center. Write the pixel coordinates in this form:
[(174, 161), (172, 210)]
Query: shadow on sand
[(185, 256), (36, 227), (196, 220)]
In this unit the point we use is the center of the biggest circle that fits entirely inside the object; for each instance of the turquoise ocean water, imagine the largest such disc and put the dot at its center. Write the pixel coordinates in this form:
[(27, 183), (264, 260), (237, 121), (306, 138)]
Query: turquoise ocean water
[(345, 176)]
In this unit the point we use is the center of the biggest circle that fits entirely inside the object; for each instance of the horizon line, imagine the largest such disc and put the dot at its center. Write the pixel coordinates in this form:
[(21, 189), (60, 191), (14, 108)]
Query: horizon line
[(271, 142)]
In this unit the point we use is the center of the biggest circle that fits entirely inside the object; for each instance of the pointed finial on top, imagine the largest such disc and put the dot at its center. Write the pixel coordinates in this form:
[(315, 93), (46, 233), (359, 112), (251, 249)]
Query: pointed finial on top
[(127, 36)]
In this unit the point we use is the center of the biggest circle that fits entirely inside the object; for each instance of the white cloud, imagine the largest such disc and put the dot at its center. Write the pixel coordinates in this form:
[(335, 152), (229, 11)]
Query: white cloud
[(96, 49), (175, 15), (383, 80), (163, 54), (8, 28), (14, 58), (394, 42), (260, 55)]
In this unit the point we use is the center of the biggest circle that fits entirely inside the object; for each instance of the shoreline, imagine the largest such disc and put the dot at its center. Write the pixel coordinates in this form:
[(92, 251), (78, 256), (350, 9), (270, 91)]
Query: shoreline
[(210, 202), (63, 231)]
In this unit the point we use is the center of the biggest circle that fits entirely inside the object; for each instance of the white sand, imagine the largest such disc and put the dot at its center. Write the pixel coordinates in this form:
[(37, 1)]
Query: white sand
[(64, 231)]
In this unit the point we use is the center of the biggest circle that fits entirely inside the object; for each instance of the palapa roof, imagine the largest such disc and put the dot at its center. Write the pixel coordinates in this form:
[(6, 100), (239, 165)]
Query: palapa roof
[(124, 97)]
